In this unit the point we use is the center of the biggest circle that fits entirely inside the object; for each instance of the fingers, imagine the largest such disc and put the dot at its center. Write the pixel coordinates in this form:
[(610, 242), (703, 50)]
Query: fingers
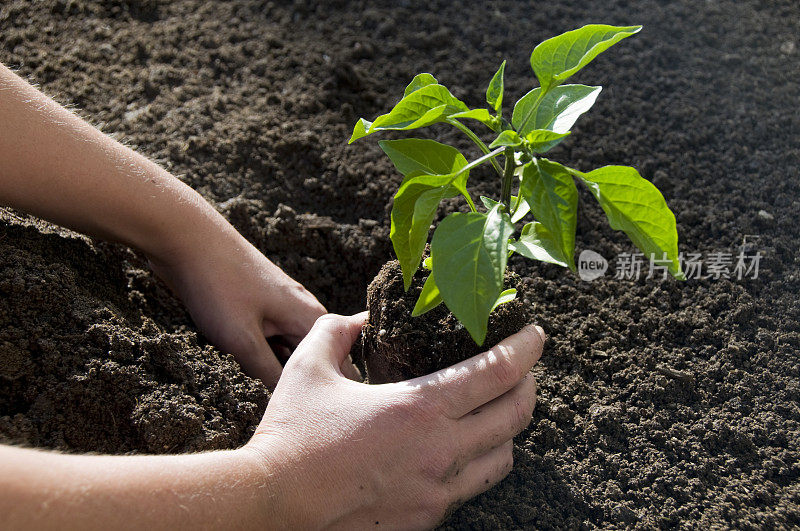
[(258, 361), (351, 371), (498, 421), (484, 472), (281, 347), (331, 338), (467, 385)]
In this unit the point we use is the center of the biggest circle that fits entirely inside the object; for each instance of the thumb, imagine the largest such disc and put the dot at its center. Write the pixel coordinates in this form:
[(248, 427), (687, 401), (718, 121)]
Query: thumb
[(331, 338)]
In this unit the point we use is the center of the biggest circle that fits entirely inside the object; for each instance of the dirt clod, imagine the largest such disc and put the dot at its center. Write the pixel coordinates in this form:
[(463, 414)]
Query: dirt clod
[(661, 404)]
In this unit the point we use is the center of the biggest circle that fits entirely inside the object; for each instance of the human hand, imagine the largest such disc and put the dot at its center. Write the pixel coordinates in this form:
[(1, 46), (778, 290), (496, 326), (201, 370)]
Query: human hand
[(93, 184), (340, 453), (240, 300)]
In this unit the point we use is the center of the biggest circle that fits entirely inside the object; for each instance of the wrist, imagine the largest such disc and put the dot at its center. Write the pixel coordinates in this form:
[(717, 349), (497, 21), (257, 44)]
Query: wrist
[(287, 498)]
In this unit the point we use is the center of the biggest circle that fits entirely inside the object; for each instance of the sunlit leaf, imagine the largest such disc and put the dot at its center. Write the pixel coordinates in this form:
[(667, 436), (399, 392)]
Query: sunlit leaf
[(537, 243), (482, 115), (419, 81), (556, 111), (494, 93), (507, 138), (542, 140), (428, 299), (506, 296), (636, 207), (556, 59), (426, 105)]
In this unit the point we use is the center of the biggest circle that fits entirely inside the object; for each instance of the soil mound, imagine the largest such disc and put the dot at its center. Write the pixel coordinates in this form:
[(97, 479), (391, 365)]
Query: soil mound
[(661, 403)]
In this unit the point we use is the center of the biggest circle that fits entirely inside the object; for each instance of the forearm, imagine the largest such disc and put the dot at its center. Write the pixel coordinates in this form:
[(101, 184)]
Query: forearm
[(58, 167), (42, 490)]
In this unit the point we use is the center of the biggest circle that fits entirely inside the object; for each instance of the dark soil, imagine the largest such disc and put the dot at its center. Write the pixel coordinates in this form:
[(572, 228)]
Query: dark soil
[(661, 403), (396, 346)]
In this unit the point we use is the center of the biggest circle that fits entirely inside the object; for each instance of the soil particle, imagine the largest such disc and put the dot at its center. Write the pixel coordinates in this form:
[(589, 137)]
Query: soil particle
[(661, 404)]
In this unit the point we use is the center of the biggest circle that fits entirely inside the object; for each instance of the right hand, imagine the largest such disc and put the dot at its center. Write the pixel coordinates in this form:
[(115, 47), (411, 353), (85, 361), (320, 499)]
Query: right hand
[(344, 454)]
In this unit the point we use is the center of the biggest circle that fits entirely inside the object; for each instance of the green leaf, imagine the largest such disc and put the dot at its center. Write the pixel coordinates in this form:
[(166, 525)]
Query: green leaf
[(427, 263), (507, 138), (417, 156), (419, 81), (522, 208), (556, 59), (426, 105), (488, 202), (542, 140), (413, 210), (635, 206), (494, 93), (360, 130), (556, 111), (506, 296), (482, 115), (537, 243), (550, 191), (432, 174), (469, 259), (428, 299)]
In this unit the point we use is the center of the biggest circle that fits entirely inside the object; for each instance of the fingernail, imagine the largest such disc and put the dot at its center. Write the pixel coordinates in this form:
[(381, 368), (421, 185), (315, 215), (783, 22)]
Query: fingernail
[(541, 332)]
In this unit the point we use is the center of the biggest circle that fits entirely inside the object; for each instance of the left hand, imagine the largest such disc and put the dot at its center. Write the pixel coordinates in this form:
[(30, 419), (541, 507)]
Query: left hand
[(241, 301)]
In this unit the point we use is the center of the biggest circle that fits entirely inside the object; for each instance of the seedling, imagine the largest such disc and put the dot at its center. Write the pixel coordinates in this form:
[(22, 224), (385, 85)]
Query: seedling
[(469, 250)]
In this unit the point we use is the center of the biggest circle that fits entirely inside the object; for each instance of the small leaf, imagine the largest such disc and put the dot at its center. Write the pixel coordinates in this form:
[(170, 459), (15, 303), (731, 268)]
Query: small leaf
[(426, 105), (635, 206), (556, 59), (469, 253), (542, 140), (506, 296), (537, 243), (419, 81), (488, 202), (360, 130), (494, 93), (550, 191), (507, 138), (522, 208), (482, 115), (556, 111), (428, 299)]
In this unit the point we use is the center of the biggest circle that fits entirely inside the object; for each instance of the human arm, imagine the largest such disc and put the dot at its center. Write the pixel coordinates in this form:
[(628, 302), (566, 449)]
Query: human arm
[(58, 167), (330, 452)]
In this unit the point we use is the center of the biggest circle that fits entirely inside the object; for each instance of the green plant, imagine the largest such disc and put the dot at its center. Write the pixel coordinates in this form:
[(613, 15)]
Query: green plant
[(469, 250)]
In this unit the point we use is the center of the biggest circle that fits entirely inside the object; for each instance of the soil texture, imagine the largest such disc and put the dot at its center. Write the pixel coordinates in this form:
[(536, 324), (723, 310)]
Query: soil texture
[(662, 404), (396, 346)]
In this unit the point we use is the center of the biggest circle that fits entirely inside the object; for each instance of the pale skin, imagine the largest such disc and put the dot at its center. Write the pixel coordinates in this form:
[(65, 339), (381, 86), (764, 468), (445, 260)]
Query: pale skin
[(330, 450)]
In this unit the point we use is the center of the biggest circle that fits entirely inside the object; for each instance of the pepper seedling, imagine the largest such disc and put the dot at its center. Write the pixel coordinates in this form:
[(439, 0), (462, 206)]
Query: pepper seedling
[(469, 250)]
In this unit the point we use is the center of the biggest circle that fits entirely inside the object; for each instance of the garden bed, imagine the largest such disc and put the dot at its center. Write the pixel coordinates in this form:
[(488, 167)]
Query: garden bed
[(660, 402)]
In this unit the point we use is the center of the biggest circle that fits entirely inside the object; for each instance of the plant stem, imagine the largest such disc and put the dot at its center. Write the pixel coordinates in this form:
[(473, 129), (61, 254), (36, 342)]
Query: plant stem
[(508, 177), (477, 162), (467, 131)]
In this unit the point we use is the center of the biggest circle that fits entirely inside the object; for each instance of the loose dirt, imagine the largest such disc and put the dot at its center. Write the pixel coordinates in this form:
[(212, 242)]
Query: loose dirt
[(661, 403)]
